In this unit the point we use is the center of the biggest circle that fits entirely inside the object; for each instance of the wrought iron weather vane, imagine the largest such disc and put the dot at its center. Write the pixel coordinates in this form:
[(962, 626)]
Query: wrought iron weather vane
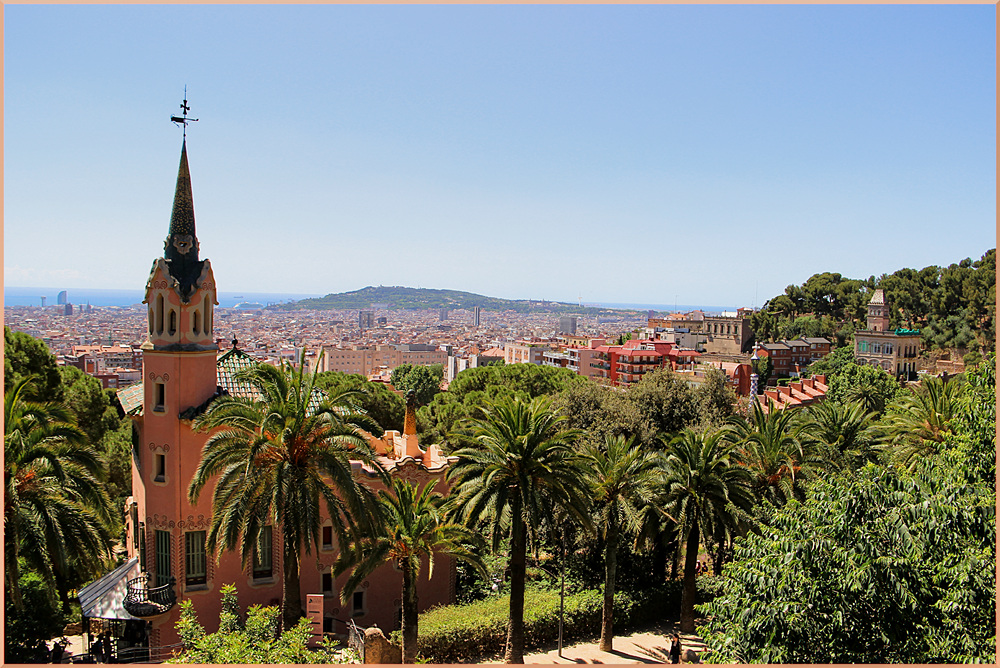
[(184, 120)]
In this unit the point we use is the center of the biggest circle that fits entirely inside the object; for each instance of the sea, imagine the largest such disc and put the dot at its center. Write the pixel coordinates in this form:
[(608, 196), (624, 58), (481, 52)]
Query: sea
[(18, 296)]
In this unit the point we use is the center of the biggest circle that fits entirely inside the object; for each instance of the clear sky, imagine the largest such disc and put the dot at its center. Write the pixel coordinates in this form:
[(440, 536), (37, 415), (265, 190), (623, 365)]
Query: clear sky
[(643, 154)]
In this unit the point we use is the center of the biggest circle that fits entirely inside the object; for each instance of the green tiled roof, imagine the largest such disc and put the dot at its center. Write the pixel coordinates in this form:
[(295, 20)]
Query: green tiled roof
[(231, 363), (131, 399)]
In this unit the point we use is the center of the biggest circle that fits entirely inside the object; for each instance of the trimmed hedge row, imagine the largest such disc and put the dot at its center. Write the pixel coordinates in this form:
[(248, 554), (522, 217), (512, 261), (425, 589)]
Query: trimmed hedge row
[(475, 631)]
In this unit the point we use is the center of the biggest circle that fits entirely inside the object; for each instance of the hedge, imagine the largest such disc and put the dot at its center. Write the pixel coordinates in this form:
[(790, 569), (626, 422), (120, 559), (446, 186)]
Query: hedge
[(476, 631)]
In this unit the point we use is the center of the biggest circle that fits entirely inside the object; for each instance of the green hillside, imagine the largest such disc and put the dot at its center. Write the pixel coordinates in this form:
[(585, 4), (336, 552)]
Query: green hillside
[(398, 297)]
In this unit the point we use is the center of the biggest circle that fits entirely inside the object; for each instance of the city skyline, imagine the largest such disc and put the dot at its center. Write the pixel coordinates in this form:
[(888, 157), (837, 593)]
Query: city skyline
[(615, 154)]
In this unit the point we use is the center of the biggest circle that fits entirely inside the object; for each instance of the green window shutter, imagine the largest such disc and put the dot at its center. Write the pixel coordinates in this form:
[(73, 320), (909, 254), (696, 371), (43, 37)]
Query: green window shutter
[(163, 571), (194, 557), (262, 567)]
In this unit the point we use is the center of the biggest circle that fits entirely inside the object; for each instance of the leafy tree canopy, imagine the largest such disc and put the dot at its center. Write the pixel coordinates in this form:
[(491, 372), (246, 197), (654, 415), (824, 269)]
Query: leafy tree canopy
[(23, 356), (423, 380), (860, 382), (381, 404)]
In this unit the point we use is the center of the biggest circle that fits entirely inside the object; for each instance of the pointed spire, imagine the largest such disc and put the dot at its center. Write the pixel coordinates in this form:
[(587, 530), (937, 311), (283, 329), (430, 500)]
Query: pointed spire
[(181, 246), (182, 217)]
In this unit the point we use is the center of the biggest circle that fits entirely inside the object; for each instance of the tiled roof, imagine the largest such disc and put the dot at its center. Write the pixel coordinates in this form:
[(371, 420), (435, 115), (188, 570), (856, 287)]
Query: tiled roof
[(131, 399), (878, 297), (228, 365)]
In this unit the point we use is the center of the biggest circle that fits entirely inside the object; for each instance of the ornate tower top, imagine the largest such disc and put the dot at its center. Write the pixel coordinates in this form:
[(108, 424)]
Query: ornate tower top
[(180, 249)]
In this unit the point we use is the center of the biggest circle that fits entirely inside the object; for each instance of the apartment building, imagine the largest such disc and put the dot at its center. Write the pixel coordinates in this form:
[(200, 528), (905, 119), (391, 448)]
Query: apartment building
[(367, 360), (791, 357)]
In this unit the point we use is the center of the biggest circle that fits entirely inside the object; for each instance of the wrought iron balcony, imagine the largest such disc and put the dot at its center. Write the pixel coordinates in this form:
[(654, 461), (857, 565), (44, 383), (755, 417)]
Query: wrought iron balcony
[(141, 601)]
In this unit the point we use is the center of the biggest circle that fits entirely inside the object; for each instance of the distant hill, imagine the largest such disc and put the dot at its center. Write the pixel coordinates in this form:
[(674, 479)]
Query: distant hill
[(397, 297)]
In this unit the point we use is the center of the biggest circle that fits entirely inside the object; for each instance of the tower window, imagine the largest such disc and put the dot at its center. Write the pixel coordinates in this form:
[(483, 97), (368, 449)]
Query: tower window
[(194, 557), (262, 567), (173, 323), (327, 538), (159, 314), (358, 603), (162, 558), (160, 397), (161, 468), (195, 321), (327, 582), (208, 314)]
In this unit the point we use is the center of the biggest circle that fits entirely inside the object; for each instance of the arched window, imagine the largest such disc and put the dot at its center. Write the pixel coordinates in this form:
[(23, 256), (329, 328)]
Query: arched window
[(151, 320), (195, 321), (208, 314), (888, 349), (159, 314), (172, 329)]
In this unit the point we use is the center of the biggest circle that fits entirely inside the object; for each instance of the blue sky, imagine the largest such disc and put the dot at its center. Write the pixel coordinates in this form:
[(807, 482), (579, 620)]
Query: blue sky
[(643, 154)]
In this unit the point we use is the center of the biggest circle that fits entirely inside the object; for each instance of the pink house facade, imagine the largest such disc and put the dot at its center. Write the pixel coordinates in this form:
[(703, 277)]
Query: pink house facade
[(182, 372)]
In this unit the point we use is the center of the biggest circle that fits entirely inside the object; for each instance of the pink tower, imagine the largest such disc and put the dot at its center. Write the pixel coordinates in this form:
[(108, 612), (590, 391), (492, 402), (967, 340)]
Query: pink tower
[(182, 372)]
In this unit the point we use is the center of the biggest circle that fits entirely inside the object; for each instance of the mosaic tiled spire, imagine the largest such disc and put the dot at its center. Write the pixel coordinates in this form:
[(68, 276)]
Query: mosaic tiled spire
[(181, 246)]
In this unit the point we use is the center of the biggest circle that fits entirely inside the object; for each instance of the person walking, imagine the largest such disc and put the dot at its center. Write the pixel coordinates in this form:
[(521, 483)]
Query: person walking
[(675, 649)]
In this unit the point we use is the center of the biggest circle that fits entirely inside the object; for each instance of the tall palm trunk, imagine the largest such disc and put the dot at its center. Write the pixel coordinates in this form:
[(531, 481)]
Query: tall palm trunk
[(13, 573), (690, 588), (291, 597), (610, 568), (409, 613), (514, 652)]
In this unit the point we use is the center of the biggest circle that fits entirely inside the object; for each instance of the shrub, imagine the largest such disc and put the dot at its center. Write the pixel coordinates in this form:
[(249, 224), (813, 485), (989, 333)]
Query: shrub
[(475, 631)]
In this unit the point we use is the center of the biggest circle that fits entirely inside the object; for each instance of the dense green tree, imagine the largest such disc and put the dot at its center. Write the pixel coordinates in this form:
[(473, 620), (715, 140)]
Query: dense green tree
[(623, 478), (715, 399), (522, 464), (40, 618), (421, 379), (273, 459), (56, 510), (601, 412), (833, 362), (703, 488), (24, 356), (871, 386), (411, 526), (91, 406), (665, 399), (877, 567), (382, 405)]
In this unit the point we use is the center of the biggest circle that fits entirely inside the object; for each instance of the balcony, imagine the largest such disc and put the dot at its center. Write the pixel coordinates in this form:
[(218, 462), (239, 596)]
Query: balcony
[(140, 601)]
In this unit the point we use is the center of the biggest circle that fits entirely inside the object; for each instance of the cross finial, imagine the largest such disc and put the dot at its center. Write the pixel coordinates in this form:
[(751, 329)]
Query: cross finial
[(184, 120)]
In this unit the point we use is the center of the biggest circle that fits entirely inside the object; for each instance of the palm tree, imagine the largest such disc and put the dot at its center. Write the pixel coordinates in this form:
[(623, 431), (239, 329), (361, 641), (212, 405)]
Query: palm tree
[(56, 512), (846, 431), (704, 488), (521, 465), (412, 525), (622, 479), (919, 421), (770, 445), (274, 457)]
